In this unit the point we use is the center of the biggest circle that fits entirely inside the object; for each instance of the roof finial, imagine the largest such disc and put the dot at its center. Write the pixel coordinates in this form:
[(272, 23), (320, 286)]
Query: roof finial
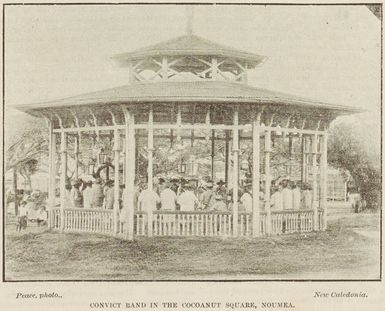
[(189, 15)]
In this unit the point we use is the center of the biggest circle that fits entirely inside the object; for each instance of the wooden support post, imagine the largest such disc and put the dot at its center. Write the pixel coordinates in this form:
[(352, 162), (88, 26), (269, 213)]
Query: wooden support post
[(178, 123), (315, 202), (307, 158), (244, 74), (131, 73), (207, 124), (52, 174), (214, 68), (150, 150), (136, 154), (256, 122), (291, 151), (303, 158), (227, 148), (130, 173), (235, 172), (164, 68), (323, 177), (76, 156), (116, 180), (63, 178), (124, 141), (14, 182), (267, 181), (212, 155)]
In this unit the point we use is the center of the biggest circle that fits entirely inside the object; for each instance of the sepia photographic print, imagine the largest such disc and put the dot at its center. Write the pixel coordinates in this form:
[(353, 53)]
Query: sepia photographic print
[(225, 144)]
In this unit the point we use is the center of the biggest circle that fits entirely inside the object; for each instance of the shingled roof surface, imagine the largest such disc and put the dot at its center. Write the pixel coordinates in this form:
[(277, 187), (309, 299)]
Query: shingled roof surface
[(192, 91), (189, 45)]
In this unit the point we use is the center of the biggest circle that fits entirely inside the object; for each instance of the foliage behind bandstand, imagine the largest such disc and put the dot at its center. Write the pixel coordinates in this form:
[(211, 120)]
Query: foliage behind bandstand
[(346, 151)]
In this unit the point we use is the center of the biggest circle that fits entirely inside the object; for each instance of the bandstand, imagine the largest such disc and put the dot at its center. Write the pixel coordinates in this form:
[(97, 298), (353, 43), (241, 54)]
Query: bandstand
[(195, 86)]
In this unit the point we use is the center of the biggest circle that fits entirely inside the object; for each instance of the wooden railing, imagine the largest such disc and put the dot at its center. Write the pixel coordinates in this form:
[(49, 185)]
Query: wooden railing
[(85, 220), (181, 223), (140, 223), (194, 223), (290, 221), (54, 218), (320, 219)]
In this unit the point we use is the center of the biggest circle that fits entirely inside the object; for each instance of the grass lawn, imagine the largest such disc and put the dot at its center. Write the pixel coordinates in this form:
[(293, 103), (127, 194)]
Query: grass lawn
[(349, 249)]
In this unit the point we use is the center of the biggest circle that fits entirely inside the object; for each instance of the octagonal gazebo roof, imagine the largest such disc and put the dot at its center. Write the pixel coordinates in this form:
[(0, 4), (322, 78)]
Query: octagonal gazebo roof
[(189, 45), (201, 90), (189, 91)]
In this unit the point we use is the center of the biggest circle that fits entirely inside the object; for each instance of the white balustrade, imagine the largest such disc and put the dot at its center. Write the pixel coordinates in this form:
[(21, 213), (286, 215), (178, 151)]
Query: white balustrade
[(181, 223)]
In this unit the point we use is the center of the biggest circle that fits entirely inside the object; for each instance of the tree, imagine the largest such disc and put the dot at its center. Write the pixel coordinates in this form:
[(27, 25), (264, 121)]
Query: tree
[(346, 151), (24, 152), (27, 169)]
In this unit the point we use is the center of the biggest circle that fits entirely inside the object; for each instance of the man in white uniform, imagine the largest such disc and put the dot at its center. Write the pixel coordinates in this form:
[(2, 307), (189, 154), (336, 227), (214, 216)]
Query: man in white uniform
[(247, 200), (276, 198), (147, 200), (187, 200), (287, 195), (167, 198), (87, 195), (296, 195)]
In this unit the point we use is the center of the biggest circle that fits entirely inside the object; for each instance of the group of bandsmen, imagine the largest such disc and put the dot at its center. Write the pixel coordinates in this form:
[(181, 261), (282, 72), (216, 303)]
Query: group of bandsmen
[(174, 194), (184, 195), (287, 194), (98, 193)]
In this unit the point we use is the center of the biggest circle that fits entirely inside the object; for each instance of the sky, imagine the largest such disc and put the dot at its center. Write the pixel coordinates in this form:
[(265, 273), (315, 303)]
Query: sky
[(328, 53)]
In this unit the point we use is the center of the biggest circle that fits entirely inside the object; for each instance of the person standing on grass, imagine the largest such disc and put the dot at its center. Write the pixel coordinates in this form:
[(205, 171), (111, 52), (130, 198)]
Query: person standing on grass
[(31, 207), (147, 200), (8, 197), (167, 198), (42, 216), (22, 216), (187, 200)]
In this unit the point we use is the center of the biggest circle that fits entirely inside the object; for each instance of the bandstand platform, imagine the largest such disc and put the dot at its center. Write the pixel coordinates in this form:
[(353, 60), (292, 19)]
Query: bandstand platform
[(188, 88)]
